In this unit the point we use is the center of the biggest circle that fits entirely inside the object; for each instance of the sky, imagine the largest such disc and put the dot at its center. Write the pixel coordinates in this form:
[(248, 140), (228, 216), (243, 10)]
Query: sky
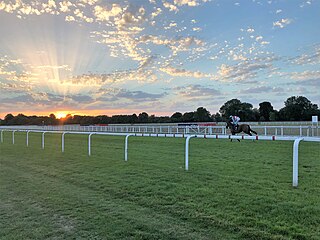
[(94, 57)]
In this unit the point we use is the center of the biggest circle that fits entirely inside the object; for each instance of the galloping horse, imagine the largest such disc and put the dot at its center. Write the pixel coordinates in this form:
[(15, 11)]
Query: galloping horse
[(241, 128)]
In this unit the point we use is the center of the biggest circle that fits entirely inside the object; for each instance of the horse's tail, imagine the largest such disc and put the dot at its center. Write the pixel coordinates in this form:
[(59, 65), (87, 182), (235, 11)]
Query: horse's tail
[(250, 130)]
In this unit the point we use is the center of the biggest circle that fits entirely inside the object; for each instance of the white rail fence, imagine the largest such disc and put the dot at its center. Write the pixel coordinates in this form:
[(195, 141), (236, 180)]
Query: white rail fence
[(296, 140), (302, 131)]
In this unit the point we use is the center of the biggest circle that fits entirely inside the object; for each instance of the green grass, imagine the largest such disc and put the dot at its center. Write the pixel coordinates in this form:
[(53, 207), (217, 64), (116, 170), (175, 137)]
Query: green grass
[(232, 190)]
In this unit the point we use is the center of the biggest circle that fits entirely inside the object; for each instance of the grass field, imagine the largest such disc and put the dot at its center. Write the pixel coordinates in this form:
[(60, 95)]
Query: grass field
[(232, 190)]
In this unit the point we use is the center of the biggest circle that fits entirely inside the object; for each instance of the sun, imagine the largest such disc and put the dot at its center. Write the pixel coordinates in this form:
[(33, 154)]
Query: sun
[(61, 115)]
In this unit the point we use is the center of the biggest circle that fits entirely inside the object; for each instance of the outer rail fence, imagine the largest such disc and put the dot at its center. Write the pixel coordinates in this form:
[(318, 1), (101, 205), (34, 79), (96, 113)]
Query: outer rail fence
[(296, 140), (301, 131)]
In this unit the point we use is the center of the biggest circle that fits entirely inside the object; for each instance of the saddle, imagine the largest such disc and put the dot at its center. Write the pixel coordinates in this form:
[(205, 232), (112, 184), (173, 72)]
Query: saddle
[(235, 127)]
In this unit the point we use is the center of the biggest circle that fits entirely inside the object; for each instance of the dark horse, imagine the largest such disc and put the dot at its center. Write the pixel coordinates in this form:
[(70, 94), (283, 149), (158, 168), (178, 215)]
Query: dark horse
[(241, 128)]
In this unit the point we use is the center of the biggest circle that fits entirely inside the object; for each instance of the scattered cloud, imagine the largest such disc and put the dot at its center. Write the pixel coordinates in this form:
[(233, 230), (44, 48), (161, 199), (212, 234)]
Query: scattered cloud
[(144, 42), (245, 70), (179, 72), (261, 89), (308, 58), (197, 91), (305, 75), (309, 82), (282, 23)]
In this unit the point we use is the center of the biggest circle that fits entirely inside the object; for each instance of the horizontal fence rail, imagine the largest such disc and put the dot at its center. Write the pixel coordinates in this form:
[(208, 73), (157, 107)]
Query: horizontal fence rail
[(296, 140), (301, 131)]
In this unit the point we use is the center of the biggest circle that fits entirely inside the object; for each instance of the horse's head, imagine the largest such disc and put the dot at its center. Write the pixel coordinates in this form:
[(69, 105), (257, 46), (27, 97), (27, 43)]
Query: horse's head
[(228, 125)]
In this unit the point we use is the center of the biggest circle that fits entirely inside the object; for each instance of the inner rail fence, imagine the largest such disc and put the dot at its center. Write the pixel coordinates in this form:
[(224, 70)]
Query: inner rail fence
[(301, 131), (296, 141)]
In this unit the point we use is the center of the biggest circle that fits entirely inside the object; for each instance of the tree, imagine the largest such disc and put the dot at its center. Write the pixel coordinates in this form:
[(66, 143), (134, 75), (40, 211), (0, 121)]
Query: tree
[(8, 118), (202, 115), (20, 119), (236, 107), (274, 115), (52, 116), (176, 117), (143, 117), (133, 118), (188, 117), (265, 108), (217, 117), (231, 107), (246, 112), (298, 109)]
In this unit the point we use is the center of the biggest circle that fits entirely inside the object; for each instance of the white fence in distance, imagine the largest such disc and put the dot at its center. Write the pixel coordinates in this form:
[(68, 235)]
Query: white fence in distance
[(296, 140), (301, 131)]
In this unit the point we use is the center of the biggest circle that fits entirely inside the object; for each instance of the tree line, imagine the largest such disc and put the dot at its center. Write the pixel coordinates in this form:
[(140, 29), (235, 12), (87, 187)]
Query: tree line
[(296, 108)]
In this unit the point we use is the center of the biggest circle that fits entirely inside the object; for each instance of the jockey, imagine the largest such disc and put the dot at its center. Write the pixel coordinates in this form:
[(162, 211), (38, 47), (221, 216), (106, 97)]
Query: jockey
[(234, 120)]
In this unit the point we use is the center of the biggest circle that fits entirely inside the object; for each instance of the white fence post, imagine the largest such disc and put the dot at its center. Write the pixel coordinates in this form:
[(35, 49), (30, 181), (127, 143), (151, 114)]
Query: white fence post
[(62, 141), (126, 147), (28, 138), (13, 136), (295, 162), (187, 151), (43, 140), (89, 143)]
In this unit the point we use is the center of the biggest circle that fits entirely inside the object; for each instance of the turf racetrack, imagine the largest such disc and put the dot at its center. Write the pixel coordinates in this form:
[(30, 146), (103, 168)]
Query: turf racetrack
[(232, 191)]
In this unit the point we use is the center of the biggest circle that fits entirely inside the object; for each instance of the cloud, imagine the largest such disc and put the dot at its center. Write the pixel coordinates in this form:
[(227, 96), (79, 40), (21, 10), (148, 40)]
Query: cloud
[(282, 23), (184, 73), (120, 94), (140, 75), (14, 87), (306, 3), (259, 38), (14, 70), (304, 59), (197, 91), (245, 70), (309, 82), (305, 75), (261, 89), (305, 78), (190, 3), (65, 6), (170, 6), (104, 14), (179, 3), (25, 98), (139, 95)]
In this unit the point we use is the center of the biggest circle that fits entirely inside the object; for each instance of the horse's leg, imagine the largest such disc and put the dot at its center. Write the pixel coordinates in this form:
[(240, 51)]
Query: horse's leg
[(233, 133), (253, 131)]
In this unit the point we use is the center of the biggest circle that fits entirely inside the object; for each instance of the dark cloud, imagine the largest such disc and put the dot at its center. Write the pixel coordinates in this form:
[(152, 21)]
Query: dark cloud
[(81, 98), (18, 99)]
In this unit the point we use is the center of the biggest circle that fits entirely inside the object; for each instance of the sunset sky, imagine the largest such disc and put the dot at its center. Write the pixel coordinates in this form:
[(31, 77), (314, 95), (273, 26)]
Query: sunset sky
[(160, 56)]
